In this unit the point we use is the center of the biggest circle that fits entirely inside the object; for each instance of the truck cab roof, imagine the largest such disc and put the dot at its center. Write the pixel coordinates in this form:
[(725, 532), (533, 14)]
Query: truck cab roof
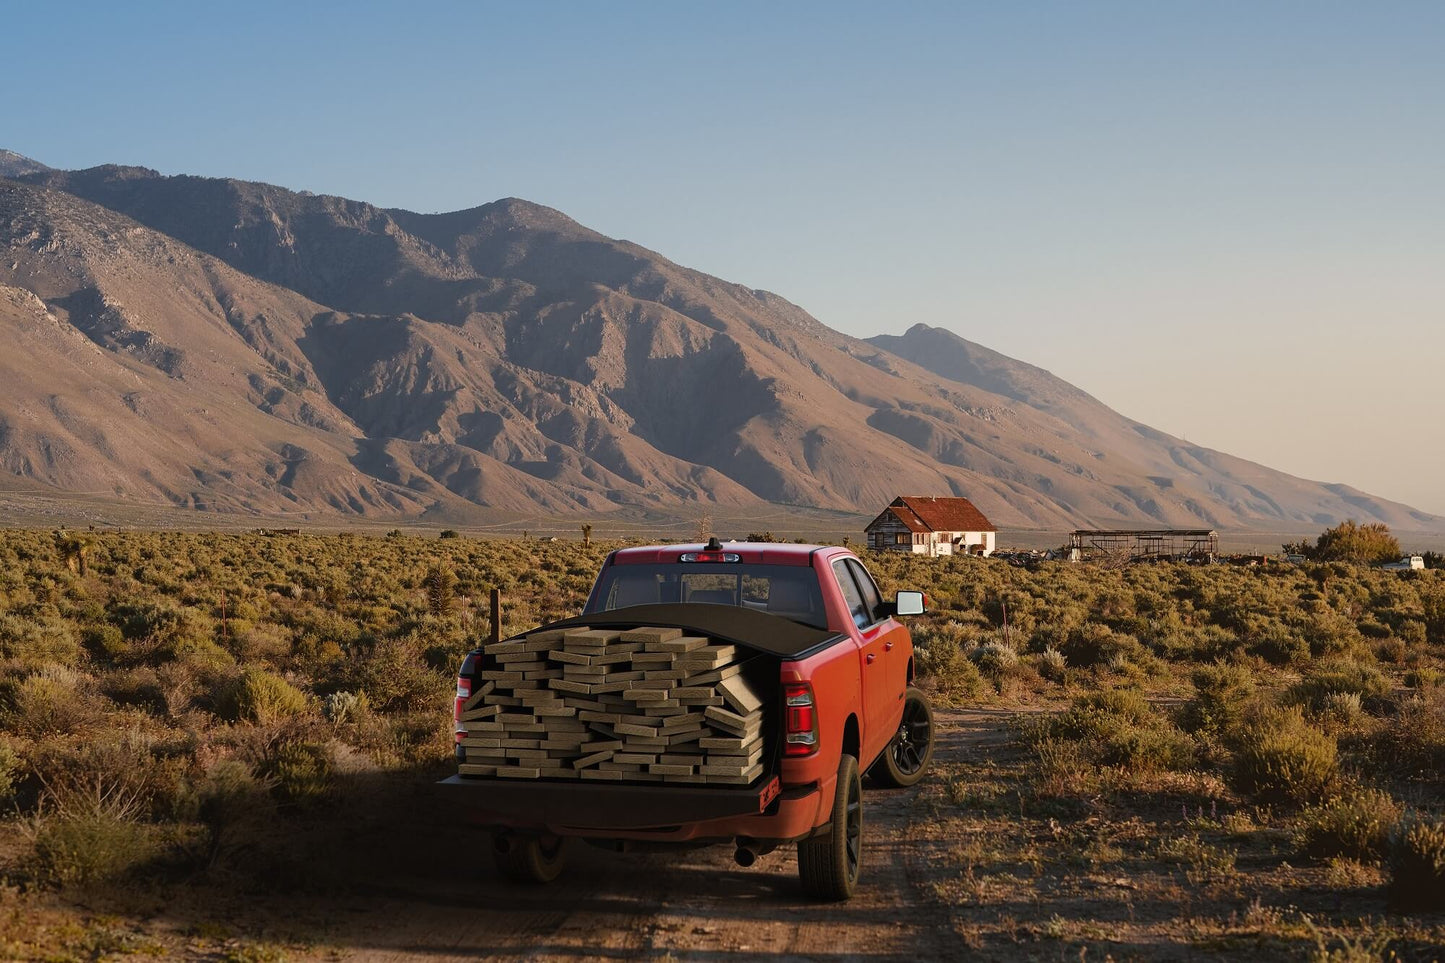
[(749, 553)]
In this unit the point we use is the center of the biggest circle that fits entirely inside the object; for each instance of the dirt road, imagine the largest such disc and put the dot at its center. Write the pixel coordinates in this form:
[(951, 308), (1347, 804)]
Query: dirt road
[(425, 894)]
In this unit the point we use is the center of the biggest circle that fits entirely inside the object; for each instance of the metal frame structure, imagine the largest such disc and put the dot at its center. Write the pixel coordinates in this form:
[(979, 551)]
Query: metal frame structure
[(1149, 543)]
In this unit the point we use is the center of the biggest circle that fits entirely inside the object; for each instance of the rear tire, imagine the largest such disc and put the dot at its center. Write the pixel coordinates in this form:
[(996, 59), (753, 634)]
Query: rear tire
[(909, 752), (829, 864), (529, 858)]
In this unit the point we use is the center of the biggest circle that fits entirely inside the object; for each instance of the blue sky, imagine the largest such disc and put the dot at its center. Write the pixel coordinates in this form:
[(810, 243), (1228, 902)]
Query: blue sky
[(1103, 189)]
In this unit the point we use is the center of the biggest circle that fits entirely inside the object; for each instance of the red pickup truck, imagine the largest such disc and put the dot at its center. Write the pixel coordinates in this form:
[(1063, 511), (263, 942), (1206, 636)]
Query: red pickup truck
[(834, 671)]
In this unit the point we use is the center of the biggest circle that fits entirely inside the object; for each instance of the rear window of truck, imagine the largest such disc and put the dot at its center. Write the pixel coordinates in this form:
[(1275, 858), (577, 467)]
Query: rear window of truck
[(790, 591)]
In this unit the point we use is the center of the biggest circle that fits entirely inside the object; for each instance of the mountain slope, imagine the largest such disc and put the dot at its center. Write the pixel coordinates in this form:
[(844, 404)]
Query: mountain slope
[(507, 356)]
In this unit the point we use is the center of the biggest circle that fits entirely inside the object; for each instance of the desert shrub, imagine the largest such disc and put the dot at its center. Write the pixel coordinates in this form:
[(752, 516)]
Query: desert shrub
[(264, 697), (139, 687), (1411, 633), (940, 661), (1393, 650), (1432, 602), (299, 770), (227, 799), (49, 701), (1341, 708), (106, 642), (394, 677), (1221, 692), (1120, 728), (38, 641), (1355, 825), (1315, 691), (1281, 757), (994, 658), (1278, 645), (86, 830), (343, 707), (1053, 665), (1417, 862), (87, 848), (1329, 633), (9, 771), (261, 642), (1096, 644), (201, 654), (1425, 677), (1411, 744)]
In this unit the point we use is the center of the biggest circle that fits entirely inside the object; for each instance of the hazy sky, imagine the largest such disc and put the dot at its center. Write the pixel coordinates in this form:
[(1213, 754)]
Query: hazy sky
[(1226, 220)]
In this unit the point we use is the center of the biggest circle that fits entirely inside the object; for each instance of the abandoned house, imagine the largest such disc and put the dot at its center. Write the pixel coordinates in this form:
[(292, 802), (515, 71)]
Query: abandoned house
[(925, 525)]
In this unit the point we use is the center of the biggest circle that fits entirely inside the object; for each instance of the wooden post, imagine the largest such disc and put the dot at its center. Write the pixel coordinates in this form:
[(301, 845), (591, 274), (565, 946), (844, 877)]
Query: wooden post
[(496, 635)]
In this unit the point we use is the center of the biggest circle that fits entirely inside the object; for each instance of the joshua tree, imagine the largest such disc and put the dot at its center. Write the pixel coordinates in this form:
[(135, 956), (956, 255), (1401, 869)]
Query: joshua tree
[(441, 585), (73, 549)]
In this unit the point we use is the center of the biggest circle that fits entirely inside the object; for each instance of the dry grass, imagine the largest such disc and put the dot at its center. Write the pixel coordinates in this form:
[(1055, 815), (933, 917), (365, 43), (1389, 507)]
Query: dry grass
[(1213, 761)]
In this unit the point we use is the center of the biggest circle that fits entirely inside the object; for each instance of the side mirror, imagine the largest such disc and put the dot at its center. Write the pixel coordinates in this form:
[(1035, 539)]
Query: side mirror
[(908, 603)]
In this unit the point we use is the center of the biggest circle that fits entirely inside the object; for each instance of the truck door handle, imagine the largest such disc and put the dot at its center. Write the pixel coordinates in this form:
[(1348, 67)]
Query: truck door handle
[(871, 657), (887, 646)]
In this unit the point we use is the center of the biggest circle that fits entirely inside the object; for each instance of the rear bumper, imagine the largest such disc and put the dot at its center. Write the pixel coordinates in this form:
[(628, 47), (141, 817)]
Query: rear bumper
[(672, 813)]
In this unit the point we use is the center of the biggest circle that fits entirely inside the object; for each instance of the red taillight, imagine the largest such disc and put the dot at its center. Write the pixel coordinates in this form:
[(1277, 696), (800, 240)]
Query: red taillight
[(464, 692), (800, 720)]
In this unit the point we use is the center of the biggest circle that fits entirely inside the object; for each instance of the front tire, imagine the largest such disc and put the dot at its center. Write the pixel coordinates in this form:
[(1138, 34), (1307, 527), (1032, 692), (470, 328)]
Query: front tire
[(909, 752), (829, 864), (529, 858)]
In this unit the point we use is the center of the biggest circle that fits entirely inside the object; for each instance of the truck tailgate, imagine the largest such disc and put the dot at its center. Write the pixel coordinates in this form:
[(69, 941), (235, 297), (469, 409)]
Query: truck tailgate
[(606, 806)]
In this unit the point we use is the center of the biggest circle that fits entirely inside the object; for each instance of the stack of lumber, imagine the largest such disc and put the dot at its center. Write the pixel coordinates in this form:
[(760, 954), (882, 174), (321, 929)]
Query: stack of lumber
[(648, 704)]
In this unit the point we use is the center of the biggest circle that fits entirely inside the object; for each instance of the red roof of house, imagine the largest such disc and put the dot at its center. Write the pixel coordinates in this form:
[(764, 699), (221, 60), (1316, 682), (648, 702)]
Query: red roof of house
[(925, 513)]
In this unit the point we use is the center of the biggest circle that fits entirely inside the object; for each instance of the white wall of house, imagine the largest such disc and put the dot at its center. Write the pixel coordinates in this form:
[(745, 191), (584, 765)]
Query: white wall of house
[(894, 535)]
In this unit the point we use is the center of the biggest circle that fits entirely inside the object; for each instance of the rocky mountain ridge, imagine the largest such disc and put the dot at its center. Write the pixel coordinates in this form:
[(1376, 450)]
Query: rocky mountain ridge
[(240, 347)]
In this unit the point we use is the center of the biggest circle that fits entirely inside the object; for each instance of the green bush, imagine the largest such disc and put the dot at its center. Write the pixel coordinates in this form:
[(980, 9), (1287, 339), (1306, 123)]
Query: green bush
[(47, 703), (1053, 664), (1417, 863), (38, 641), (1120, 728), (1368, 544), (994, 658), (300, 771), (1411, 743), (1096, 644), (87, 848), (1315, 691), (9, 771), (395, 677), (1423, 678), (940, 661), (1221, 692), (1279, 645), (265, 697), (1281, 757), (1355, 825)]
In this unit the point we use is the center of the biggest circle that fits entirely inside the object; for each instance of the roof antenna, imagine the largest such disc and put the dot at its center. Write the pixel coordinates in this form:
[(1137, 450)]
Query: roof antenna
[(713, 545)]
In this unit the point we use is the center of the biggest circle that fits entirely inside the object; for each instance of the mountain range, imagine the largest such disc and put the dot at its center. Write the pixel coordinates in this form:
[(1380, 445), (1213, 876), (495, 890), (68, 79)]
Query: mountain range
[(237, 347)]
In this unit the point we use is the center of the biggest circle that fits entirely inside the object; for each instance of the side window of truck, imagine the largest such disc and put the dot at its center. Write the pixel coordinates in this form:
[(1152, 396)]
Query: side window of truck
[(866, 585), (856, 606)]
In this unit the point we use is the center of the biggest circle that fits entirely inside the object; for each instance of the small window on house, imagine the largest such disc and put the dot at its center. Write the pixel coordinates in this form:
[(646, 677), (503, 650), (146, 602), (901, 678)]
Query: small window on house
[(900, 539)]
